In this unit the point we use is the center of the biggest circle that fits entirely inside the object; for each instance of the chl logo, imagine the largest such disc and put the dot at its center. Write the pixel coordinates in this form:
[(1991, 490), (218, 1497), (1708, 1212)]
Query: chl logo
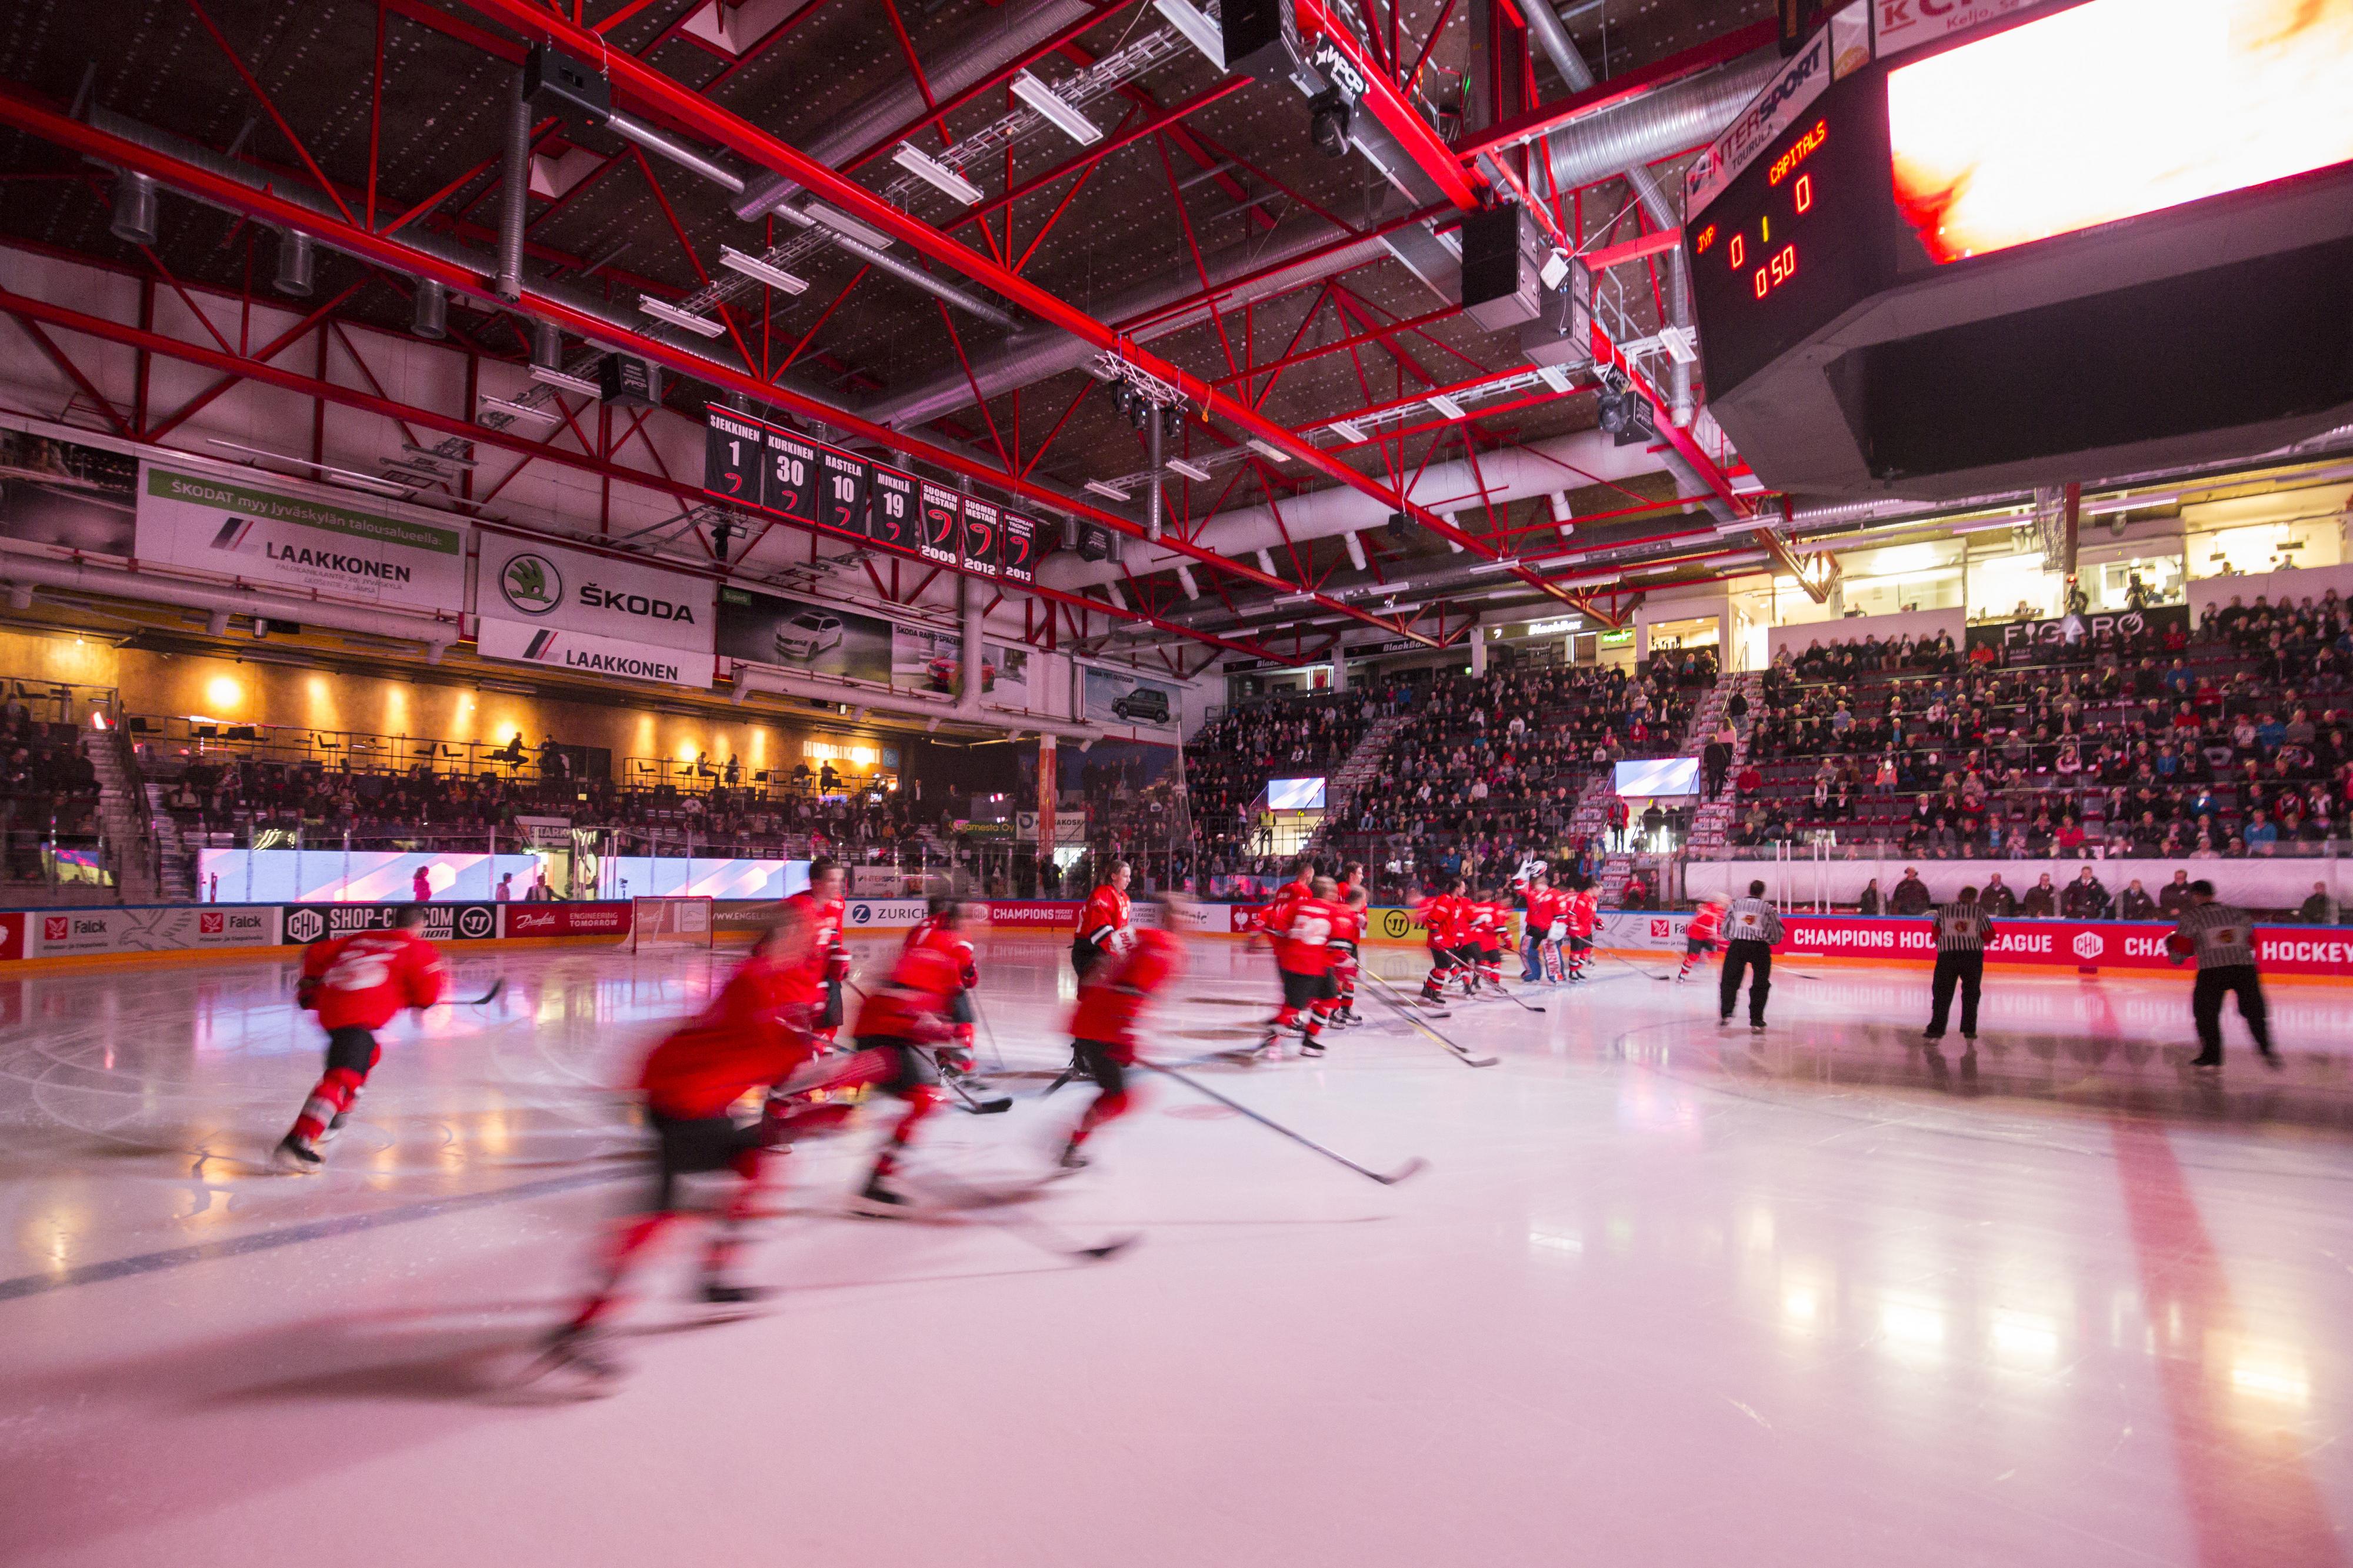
[(2089, 945), (474, 920), (306, 925)]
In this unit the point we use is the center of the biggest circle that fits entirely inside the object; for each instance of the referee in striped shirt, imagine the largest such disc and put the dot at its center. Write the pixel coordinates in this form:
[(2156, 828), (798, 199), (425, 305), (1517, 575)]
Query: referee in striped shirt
[(2223, 939), (1963, 930), (1751, 928)]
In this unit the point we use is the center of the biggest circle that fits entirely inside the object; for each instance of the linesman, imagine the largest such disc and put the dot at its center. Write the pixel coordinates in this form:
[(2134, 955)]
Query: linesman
[(2222, 937), (1964, 929), (1752, 926)]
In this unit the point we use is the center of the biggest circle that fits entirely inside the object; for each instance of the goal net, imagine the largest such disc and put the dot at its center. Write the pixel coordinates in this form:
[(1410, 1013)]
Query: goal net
[(661, 922)]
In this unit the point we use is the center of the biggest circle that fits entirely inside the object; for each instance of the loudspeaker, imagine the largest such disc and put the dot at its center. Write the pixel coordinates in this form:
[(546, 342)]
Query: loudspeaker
[(629, 380), (1502, 259), (1253, 35), (558, 84)]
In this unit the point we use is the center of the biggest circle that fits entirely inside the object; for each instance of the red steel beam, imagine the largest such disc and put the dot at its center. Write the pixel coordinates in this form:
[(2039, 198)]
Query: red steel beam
[(26, 309), (1546, 119), (636, 83), (26, 114), (1461, 183), (1653, 244)]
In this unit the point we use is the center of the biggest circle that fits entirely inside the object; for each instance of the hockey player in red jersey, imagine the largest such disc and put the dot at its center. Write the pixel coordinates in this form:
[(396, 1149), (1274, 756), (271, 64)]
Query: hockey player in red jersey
[(1582, 916), (898, 1024), (955, 1059), (751, 1035), (356, 984), (1346, 941), (1275, 919), (1103, 929), (1489, 917), (824, 963), (1439, 914), (1536, 926), (1302, 931), (1102, 1025), (1700, 936)]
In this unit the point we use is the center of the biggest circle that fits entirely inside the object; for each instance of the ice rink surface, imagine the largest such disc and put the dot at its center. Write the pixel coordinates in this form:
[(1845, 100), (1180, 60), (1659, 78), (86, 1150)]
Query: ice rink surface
[(1666, 1295)]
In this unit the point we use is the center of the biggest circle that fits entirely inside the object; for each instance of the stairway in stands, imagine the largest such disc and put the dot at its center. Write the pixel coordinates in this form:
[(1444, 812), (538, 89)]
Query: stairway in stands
[(1591, 818), (1363, 764), (1712, 822), (121, 822)]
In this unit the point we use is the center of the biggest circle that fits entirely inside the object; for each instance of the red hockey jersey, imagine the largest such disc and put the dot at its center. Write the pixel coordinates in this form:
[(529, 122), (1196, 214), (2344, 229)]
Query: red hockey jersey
[(358, 982), (1707, 923), (1109, 1006), (1442, 915), (1304, 943), (913, 1004), (828, 958), (1103, 916), (739, 1043), (929, 929)]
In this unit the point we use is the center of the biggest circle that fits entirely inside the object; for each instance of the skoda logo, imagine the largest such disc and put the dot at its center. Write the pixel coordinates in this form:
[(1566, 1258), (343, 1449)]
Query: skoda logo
[(473, 921), (530, 584), (305, 925), (861, 915)]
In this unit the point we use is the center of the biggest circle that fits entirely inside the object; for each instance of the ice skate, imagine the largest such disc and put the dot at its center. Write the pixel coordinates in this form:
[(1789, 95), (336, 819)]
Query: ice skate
[(296, 1154), (718, 1292), (576, 1348), (878, 1199)]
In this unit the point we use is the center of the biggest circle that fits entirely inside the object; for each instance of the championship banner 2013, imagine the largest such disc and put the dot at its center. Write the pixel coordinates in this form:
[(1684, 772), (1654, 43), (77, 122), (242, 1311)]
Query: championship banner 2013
[(571, 609)]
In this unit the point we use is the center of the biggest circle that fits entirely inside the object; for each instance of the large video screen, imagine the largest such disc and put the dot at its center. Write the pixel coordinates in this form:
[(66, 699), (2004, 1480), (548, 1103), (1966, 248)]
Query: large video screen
[(1657, 775), (2115, 109), (1294, 795)]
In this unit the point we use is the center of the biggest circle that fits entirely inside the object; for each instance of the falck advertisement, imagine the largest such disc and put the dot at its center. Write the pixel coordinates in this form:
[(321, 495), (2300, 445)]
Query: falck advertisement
[(283, 537), (543, 604)]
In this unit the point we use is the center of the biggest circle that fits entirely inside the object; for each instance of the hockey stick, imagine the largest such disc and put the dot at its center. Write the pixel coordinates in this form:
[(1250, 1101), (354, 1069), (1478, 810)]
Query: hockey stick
[(1404, 1011), (972, 1102), (1040, 1234), (487, 997), (1386, 1179)]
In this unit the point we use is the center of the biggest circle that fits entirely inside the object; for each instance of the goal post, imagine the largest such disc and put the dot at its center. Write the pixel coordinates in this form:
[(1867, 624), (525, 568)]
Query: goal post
[(664, 922)]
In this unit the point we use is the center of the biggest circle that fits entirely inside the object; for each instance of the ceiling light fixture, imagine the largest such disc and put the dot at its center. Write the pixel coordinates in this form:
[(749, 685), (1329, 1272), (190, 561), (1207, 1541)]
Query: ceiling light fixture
[(521, 410), (1346, 430), (1193, 472), (1679, 343), (1065, 118), (1109, 492), (370, 482), (841, 223), (933, 173), (760, 271), (1446, 405), (1552, 375), (1199, 31), (663, 310), (548, 375), (1269, 450)]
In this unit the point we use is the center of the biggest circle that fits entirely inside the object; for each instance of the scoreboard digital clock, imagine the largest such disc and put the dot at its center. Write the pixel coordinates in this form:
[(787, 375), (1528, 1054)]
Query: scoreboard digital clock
[(2010, 251)]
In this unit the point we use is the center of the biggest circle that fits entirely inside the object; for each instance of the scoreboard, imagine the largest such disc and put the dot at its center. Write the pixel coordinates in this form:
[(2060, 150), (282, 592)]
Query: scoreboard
[(2000, 243), (755, 467)]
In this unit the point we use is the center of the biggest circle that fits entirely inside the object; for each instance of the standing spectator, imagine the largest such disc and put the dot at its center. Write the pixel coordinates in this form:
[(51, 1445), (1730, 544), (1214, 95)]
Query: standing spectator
[(2135, 904), (2174, 897), (1715, 763), (504, 891), (2319, 909), (1911, 895), (421, 887), (2086, 897), (1997, 899), (2041, 901), (1737, 707)]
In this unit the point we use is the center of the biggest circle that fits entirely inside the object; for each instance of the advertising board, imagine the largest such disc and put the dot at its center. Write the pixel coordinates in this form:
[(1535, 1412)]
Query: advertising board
[(50, 933), (307, 923), (566, 920)]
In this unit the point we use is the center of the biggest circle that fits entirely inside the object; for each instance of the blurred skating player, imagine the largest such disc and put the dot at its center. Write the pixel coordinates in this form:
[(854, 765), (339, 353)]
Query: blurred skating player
[(1699, 937), (1347, 939), (1488, 914), (1438, 914), (1352, 879), (1102, 928), (899, 1023), (824, 961), (1754, 926), (356, 983), (1303, 952), (2222, 937), (1535, 888), (957, 1060), (751, 1036), (1102, 1025)]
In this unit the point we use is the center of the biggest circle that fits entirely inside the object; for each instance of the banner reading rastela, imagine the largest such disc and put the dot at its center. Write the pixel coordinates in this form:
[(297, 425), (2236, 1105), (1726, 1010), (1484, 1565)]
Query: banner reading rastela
[(282, 536)]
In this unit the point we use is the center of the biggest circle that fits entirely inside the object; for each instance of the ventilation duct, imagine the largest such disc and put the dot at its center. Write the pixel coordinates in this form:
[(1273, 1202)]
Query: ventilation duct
[(298, 263), (515, 192), (428, 309), (134, 222)]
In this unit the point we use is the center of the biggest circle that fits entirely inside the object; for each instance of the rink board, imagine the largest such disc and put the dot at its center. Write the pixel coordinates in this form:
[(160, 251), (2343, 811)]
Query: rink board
[(181, 933)]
